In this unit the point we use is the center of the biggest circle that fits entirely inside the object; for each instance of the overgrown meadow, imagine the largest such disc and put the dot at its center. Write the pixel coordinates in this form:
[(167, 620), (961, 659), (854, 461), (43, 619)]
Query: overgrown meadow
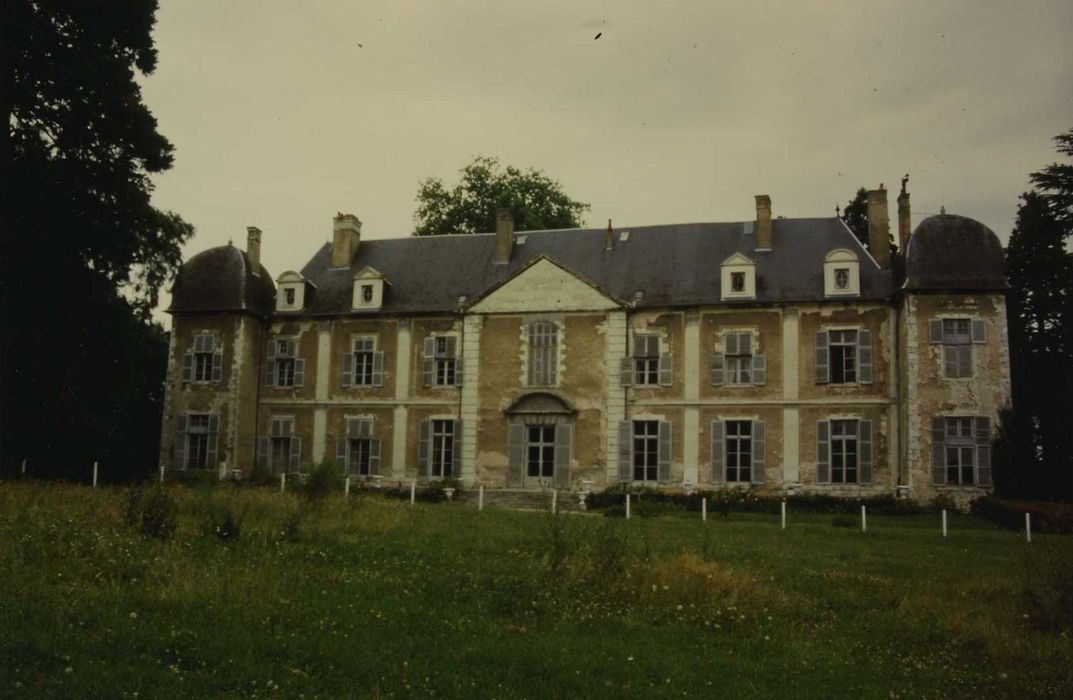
[(248, 592)]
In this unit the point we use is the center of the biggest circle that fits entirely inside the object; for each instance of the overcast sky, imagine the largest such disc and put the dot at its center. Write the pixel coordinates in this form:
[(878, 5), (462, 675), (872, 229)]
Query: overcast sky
[(284, 113)]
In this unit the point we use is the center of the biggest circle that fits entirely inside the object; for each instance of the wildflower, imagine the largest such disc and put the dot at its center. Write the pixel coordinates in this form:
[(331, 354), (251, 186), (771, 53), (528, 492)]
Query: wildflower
[(134, 616)]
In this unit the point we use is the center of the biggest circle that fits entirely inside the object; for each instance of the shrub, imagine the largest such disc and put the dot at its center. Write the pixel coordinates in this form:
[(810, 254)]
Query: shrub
[(151, 510), (324, 478), (222, 520), (1047, 516), (647, 502), (1046, 584)]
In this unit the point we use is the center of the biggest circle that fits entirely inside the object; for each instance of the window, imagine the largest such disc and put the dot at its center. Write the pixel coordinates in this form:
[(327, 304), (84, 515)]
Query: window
[(363, 361), (443, 448), (363, 366), (645, 450), (197, 450), (540, 452), (961, 450), (646, 359), (844, 357), (737, 282), (441, 365), (841, 273), (289, 294), (367, 293), (357, 451), (282, 367), (203, 362), (739, 357), (957, 336), (281, 449), (543, 354), (841, 278), (737, 277), (739, 450), (844, 451)]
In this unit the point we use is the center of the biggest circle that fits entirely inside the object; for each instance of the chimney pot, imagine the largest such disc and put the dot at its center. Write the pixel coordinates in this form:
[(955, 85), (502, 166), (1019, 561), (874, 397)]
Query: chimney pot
[(346, 234), (879, 227), (253, 248), (504, 235), (904, 222), (763, 222), (609, 238)]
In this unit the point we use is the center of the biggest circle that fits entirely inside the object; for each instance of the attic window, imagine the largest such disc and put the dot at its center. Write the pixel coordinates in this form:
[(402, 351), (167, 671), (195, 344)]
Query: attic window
[(520, 240), (841, 273), (737, 282), (624, 236), (366, 293), (289, 293), (841, 278)]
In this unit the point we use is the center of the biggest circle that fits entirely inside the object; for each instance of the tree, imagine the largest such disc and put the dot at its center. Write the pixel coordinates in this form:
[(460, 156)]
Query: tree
[(1055, 182), (856, 217), (84, 251), (536, 201)]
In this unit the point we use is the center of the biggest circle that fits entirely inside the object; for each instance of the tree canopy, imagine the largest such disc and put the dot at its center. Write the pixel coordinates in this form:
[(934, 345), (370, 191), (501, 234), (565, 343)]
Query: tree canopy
[(1055, 182), (535, 200), (85, 252)]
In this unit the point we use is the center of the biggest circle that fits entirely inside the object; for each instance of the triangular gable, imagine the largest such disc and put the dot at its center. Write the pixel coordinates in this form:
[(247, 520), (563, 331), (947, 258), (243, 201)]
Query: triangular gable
[(738, 259), (545, 285), (369, 273)]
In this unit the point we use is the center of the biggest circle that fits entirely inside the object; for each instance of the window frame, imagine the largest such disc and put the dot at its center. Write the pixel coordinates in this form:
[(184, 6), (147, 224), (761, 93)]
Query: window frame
[(845, 439), (442, 445), (646, 352), (737, 366), (543, 447), (363, 349), (853, 349), (744, 448), (957, 346), (645, 451), (542, 342)]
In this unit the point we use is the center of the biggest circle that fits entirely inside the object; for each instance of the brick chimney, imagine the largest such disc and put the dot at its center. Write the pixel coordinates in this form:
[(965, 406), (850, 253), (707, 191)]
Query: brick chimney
[(879, 227), (504, 235), (763, 222), (904, 223), (346, 234), (253, 248)]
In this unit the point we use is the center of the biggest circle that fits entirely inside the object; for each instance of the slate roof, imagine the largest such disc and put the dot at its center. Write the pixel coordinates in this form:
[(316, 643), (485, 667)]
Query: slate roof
[(222, 279), (673, 265), (956, 253)]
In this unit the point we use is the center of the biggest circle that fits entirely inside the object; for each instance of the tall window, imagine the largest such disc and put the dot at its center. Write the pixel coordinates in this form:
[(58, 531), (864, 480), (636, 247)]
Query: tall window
[(289, 295), (284, 363), (445, 361), (738, 354), (843, 349), (957, 347), (844, 451), (197, 441), (961, 450), (358, 457), (443, 449), (646, 359), (364, 354), (283, 368), (543, 353), (203, 360), (844, 356), (739, 450), (646, 450), (540, 451)]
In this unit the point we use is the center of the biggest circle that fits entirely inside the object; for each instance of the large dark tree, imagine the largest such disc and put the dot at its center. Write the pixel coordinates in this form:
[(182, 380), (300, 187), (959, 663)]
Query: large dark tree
[(856, 217), (535, 200), (1055, 182), (84, 253)]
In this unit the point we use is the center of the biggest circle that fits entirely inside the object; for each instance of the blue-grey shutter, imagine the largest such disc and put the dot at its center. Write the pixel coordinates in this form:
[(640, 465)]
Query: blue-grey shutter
[(458, 371), (717, 374), (950, 360), (823, 452), (180, 442), (730, 343), (423, 440), (759, 369), (211, 451), (666, 369), (428, 362), (979, 331), (964, 353), (864, 453), (270, 364), (188, 366), (353, 428), (935, 330), (299, 372), (938, 450), (625, 369), (517, 454), (864, 356), (625, 451), (348, 370), (664, 451), (217, 363), (564, 442), (745, 343), (378, 368), (456, 450), (296, 453), (718, 448), (452, 346), (341, 447), (264, 452), (983, 450), (365, 428), (823, 372), (759, 452), (374, 456)]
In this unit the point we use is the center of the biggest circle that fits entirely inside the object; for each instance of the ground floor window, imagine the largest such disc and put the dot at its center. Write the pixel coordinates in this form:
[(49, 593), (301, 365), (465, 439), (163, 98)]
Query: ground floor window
[(358, 457), (540, 451), (443, 448), (739, 450), (645, 450), (197, 441), (281, 452), (844, 451)]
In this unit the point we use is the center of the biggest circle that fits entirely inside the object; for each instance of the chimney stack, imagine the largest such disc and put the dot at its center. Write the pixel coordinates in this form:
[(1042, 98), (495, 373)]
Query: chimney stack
[(346, 234), (504, 235), (609, 239), (763, 222), (879, 227), (253, 247), (904, 223)]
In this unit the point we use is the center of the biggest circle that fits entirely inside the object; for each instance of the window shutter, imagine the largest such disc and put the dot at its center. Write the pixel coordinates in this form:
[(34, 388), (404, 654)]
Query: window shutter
[(718, 448), (211, 451), (217, 364), (745, 343), (348, 370), (950, 361), (423, 449), (188, 366), (864, 356), (456, 450), (625, 369), (964, 355), (938, 450), (341, 447), (935, 330), (264, 452), (864, 453), (458, 371), (353, 428), (296, 453), (666, 369), (292, 347), (823, 373), (374, 457), (180, 443), (823, 452), (452, 346), (983, 450), (365, 428), (564, 442), (759, 369), (625, 451), (979, 331), (717, 373), (664, 451), (378, 368), (759, 452), (299, 372), (730, 343), (517, 454), (428, 362)]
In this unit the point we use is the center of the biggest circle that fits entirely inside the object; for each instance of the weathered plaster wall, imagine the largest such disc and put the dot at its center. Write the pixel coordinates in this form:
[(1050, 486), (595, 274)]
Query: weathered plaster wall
[(773, 452), (883, 476), (766, 325), (342, 332), (874, 317)]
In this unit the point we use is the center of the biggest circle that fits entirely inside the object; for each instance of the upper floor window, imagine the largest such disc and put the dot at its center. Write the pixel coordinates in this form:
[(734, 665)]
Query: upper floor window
[(739, 364), (844, 356), (738, 277), (289, 294), (844, 451), (649, 365), (957, 336), (203, 362), (842, 278), (282, 366), (363, 366), (367, 293), (368, 289), (543, 355), (961, 450), (292, 291), (841, 273), (440, 362), (737, 281)]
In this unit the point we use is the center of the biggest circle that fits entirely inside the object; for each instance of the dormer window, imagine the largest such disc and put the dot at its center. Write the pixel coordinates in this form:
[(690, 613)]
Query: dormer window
[(289, 295), (292, 291), (368, 289), (367, 293), (738, 277), (841, 274), (737, 282)]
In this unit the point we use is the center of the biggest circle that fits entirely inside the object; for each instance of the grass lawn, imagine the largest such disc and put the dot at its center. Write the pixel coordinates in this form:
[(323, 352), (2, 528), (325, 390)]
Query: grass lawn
[(374, 598)]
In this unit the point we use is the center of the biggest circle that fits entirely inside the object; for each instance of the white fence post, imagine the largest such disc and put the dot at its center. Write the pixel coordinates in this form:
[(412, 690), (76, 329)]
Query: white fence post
[(784, 514), (1028, 528), (162, 473), (480, 498), (944, 522), (282, 482), (554, 501), (627, 506), (24, 468), (704, 509), (864, 519), (94, 475), (413, 491), (346, 487)]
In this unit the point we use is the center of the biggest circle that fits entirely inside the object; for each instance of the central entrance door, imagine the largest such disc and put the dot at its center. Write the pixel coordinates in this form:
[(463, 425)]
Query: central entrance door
[(540, 455)]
